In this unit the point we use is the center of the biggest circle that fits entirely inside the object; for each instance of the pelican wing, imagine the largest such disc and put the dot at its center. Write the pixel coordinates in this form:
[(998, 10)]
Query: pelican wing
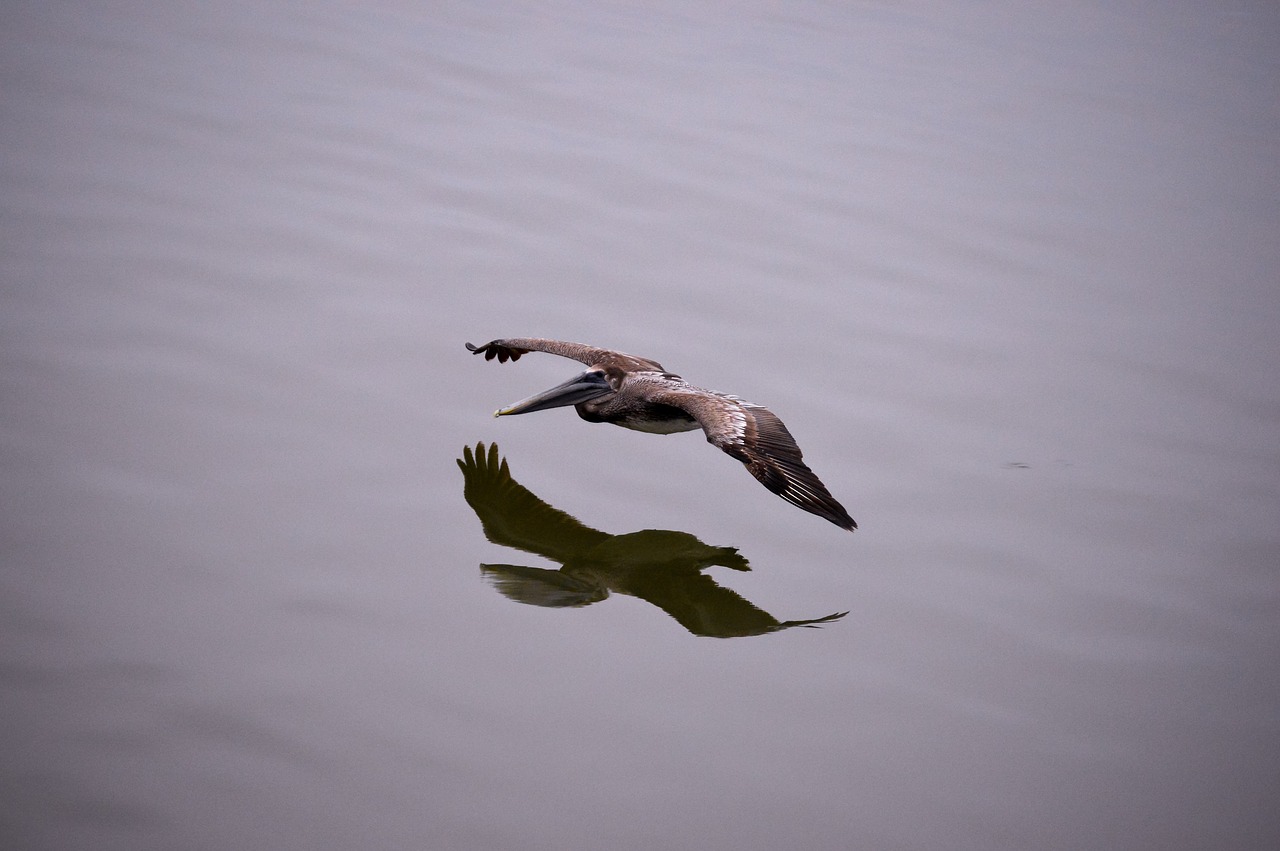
[(757, 438), (704, 607), (512, 516), (514, 347), (700, 604)]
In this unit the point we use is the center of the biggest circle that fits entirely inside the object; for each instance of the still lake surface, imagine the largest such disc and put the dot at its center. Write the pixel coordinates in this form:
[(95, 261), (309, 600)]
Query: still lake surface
[(1010, 274)]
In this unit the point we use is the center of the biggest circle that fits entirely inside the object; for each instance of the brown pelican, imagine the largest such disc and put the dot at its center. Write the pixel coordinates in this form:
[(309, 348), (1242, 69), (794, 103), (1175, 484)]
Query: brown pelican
[(637, 393)]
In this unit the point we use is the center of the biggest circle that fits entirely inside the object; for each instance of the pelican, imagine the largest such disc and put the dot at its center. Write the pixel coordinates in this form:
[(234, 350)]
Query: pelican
[(637, 393)]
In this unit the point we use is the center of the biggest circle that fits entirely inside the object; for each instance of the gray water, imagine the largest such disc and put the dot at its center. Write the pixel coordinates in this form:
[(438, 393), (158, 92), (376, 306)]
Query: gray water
[(1007, 271)]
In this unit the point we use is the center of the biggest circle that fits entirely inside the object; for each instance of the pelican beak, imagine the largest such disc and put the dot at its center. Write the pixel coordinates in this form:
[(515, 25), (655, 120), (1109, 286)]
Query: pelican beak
[(581, 388)]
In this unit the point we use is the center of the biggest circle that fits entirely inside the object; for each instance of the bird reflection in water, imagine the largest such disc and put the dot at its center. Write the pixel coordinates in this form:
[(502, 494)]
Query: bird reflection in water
[(662, 567)]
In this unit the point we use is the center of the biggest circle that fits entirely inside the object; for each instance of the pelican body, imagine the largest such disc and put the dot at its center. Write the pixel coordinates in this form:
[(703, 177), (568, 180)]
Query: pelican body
[(637, 393)]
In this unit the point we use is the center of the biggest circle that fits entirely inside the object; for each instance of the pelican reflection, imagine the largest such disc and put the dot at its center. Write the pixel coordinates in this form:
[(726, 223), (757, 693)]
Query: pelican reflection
[(661, 567)]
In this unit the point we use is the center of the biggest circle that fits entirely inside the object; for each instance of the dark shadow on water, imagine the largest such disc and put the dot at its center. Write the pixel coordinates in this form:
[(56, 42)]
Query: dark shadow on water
[(662, 567)]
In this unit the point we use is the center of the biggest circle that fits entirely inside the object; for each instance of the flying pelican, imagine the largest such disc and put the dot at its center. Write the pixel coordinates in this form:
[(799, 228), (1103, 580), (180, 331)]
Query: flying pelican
[(637, 393)]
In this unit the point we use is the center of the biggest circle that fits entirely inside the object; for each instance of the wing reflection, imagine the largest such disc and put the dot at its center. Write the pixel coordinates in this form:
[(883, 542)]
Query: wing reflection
[(662, 567)]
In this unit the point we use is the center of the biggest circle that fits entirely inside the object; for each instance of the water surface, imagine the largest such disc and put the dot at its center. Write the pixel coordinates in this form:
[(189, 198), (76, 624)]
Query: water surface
[(1008, 274)]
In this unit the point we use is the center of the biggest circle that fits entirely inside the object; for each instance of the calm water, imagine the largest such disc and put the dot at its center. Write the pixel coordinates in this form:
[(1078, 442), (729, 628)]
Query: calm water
[(1010, 275)]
